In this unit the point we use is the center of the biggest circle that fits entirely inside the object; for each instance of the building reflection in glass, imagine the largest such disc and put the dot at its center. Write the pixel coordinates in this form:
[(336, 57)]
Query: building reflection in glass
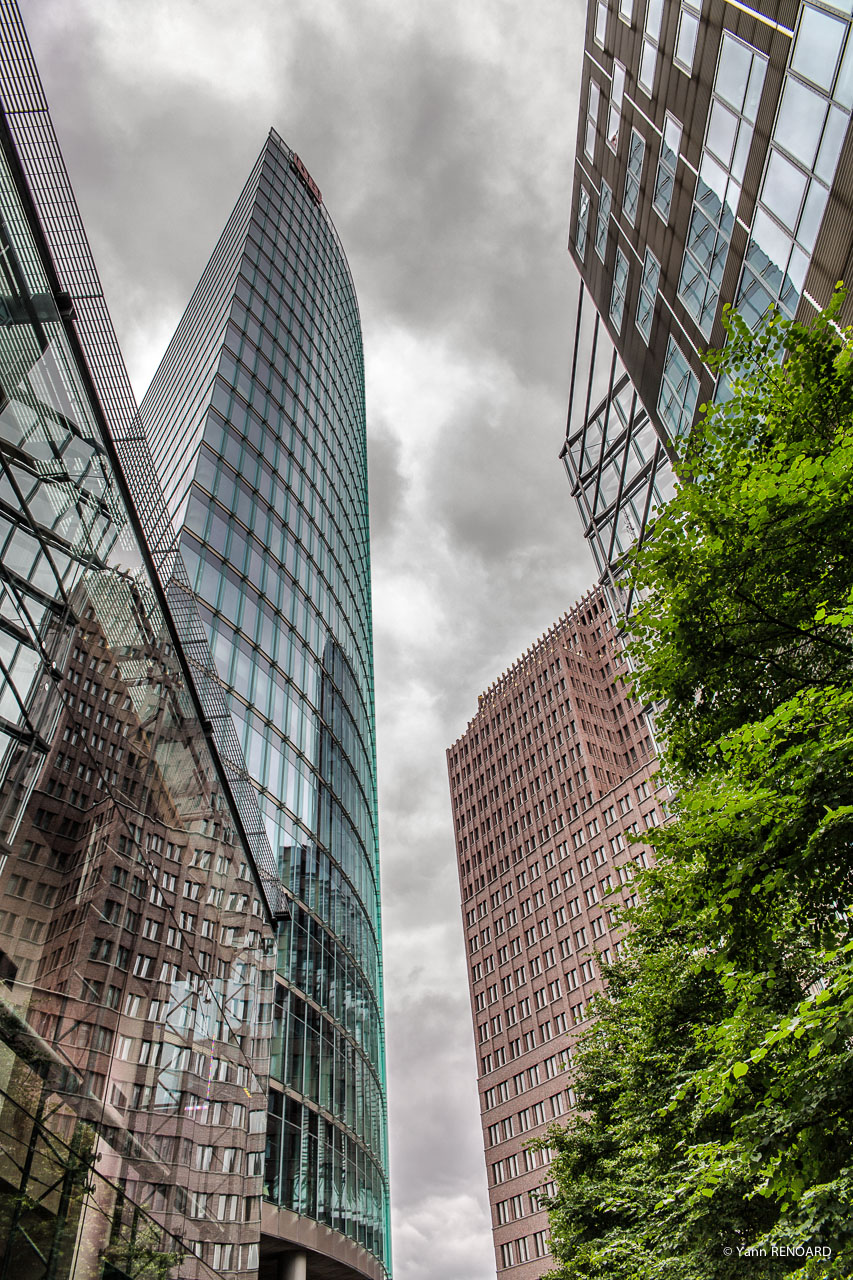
[(136, 952)]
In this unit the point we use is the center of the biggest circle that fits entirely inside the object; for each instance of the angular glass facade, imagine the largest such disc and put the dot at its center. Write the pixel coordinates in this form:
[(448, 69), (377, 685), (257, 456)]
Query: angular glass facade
[(742, 113), (619, 470), (257, 426), (136, 948), (808, 135)]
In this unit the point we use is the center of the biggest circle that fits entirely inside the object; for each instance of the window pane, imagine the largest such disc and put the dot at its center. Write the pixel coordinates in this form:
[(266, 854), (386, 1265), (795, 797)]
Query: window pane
[(600, 22), (671, 139), (614, 119), (812, 215), (784, 188), (688, 29), (618, 84), (648, 62), (844, 83), (818, 45), (753, 92), (769, 248), (830, 148), (733, 72), (800, 121), (654, 13), (722, 131)]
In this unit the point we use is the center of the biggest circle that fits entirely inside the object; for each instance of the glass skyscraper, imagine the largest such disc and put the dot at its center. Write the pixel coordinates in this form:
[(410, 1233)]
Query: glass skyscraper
[(256, 423)]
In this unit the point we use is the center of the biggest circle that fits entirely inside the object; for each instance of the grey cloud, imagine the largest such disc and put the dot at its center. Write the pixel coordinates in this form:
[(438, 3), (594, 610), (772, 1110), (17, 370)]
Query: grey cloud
[(387, 484)]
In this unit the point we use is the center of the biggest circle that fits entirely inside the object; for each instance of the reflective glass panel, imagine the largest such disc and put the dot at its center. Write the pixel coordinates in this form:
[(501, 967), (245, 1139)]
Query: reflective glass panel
[(685, 47), (648, 62), (654, 13), (618, 84), (770, 247), (603, 220), (583, 219), (784, 187), (818, 45), (722, 131), (813, 208), (600, 22), (833, 140), (800, 121), (844, 84), (733, 72)]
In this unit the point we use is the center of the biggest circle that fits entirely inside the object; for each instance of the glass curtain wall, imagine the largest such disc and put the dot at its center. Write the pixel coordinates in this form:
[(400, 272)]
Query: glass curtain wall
[(136, 955)]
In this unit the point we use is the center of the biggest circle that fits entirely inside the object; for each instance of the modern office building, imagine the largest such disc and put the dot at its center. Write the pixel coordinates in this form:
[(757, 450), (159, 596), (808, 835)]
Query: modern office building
[(137, 914), (156, 972), (552, 776), (256, 423), (714, 166)]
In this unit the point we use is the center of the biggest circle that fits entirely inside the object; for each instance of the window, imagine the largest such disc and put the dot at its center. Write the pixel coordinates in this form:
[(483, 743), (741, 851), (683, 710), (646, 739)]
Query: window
[(619, 290), (679, 391), (649, 53), (812, 121), (614, 114), (668, 160), (738, 83), (602, 220), (636, 152), (688, 30), (600, 22), (227, 1208), (626, 10), (593, 104), (646, 309), (540, 1243)]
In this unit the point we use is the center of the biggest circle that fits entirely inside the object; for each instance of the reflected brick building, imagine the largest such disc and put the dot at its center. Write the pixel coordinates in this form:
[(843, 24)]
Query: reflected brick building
[(137, 931), (552, 776)]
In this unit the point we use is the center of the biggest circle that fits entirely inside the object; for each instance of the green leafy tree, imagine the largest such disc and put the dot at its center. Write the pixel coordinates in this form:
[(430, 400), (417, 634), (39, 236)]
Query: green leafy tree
[(716, 1087)]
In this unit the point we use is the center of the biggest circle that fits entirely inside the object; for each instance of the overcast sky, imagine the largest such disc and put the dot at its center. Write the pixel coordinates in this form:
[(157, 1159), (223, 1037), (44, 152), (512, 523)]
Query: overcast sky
[(441, 134)]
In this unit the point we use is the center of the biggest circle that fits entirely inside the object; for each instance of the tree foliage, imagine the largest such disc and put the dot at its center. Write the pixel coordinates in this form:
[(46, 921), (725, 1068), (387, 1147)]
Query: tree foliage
[(716, 1086)]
